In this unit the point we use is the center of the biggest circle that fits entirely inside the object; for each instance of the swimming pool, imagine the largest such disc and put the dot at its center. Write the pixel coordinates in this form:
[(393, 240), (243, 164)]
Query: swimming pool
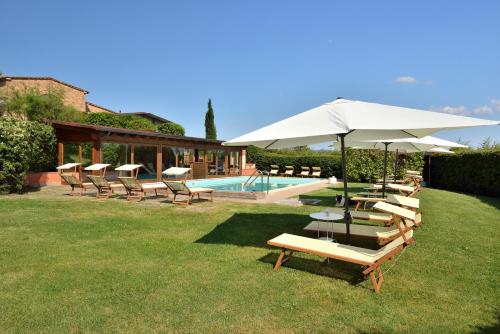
[(237, 184)]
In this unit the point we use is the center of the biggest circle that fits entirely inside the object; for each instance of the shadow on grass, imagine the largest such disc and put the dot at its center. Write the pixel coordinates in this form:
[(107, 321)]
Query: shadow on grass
[(254, 230), (488, 329), (333, 269)]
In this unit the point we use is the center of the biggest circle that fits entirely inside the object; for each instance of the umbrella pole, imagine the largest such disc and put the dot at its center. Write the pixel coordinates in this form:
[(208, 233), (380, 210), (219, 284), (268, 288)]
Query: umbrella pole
[(347, 214), (385, 169)]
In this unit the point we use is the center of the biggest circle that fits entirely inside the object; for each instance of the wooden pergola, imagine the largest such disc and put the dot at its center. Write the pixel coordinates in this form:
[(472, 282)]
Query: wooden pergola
[(78, 134)]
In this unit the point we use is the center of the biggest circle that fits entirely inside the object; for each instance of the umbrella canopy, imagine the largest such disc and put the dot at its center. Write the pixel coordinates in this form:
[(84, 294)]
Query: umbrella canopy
[(406, 145), (354, 120), (440, 150), (358, 120)]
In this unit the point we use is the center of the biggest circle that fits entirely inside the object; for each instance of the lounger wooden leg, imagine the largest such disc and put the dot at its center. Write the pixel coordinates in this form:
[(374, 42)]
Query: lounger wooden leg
[(357, 206), (279, 261), (377, 283), (282, 259)]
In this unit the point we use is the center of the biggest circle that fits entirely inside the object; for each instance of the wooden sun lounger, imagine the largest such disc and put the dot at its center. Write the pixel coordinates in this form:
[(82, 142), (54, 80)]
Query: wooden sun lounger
[(104, 188), (274, 170), (75, 183), (316, 172), (304, 172), (370, 259), (136, 190), (180, 188), (288, 171), (368, 215)]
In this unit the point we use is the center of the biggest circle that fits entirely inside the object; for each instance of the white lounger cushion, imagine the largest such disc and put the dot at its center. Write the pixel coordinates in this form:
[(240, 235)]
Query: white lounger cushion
[(200, 190), (68, 165), (401, 187), (154, 185), (365, 215), (97, 166), (379, 232), (404, 201), (128, 167), (334, 250), (394, 209)]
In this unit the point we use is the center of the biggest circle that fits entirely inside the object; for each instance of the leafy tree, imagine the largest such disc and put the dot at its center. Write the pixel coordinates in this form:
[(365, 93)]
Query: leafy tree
[(30, 104), (210, 130), (171, 128), (119, 121)]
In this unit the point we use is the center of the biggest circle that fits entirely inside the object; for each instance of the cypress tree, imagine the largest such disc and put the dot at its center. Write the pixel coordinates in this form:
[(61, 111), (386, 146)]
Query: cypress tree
[(210, 130)]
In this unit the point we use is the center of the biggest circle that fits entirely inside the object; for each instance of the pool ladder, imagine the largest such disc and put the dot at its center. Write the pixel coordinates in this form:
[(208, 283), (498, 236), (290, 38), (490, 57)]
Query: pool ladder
[(255, 175)]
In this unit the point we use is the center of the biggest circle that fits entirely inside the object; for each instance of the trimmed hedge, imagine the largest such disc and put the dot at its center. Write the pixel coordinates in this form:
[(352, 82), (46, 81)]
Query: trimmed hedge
[(362, 165), (469, 172), (24, 146)]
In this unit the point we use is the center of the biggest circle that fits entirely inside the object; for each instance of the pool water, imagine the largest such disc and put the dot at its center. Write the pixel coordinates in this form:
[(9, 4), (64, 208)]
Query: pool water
[(238, 183)]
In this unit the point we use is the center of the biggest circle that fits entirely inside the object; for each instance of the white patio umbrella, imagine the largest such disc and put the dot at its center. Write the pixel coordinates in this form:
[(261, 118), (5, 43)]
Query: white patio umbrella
[(355, 120), (406, 145)]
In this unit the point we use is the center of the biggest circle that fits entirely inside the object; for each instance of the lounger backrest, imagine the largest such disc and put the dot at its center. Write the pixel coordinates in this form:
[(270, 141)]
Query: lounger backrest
[(131, 183), (98, 181), (394, 209), (316, 170), (70, 179), (274, 167), (288, 169), (176, 186)]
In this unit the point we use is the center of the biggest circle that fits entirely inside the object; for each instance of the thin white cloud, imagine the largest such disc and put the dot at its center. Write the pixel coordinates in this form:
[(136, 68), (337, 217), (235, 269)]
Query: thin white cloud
[(406, 80), (459, 110), (495, 104), (483, 110)]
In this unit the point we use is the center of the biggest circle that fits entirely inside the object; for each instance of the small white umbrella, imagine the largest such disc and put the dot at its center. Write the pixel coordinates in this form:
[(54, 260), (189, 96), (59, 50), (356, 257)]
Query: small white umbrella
[(355, 120)]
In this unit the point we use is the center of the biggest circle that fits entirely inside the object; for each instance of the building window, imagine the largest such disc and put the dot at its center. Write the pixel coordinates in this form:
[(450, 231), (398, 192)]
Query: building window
[(168, 156), (221, 162), (78, 153), (70, 153), (234, 162), (185, 157), (115, 155), (145, 155), (212, 162)]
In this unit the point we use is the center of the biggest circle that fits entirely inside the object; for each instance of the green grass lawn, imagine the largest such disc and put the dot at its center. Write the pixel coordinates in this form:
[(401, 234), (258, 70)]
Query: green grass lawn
[(82, 265)]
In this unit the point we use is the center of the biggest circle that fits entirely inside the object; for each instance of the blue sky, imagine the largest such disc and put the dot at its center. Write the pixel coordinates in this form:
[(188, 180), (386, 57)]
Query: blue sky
[(262, 61)]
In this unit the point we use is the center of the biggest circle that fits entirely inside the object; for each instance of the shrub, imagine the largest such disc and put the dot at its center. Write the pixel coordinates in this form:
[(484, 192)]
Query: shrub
[(476, 172), (24, 145), (119, 121), (30, 104), (171, 128)]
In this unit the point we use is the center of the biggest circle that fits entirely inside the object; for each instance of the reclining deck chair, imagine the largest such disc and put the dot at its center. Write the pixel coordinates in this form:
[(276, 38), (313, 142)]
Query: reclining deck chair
[(402, 221), (304, 171), (274, 170), (180, 188), (288, 171), (73, 178), (371, 260), (316, 172), (137, 190), (104, 188)]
